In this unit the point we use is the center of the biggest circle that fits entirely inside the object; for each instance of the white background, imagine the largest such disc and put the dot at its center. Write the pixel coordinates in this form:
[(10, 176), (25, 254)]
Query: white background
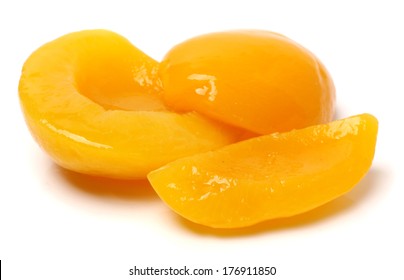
[(58, 225)]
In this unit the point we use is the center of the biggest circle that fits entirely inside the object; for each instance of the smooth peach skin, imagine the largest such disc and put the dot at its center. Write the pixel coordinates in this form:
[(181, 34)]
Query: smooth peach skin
[(258, 80)]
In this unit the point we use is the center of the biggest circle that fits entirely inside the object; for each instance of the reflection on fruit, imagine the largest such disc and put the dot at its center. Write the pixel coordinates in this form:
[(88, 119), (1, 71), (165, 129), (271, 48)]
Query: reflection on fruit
[(91, 100), (258, 80), (272, 176), (94, 103)]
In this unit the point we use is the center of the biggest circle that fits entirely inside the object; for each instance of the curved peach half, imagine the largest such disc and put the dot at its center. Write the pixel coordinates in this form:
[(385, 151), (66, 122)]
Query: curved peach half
[(258, 80), (91, 100), (271, 176)]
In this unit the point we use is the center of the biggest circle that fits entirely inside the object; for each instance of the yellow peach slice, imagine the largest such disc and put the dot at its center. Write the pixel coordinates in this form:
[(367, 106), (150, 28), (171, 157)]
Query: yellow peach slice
[(258, 80), (271, 176), (91, 100)]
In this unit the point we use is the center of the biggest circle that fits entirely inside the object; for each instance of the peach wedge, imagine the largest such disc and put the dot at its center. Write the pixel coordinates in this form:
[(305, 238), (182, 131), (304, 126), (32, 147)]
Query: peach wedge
[(271, 176)]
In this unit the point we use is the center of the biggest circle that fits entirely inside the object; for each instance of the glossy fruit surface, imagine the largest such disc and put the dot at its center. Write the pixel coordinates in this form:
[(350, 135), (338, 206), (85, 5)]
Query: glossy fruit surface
[(272, 176), (258, 80), (91, 100)]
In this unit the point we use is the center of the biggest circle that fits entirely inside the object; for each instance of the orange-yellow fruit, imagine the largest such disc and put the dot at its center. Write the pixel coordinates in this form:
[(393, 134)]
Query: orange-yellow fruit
[(91, 100), (271, 176), (258, 80)]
